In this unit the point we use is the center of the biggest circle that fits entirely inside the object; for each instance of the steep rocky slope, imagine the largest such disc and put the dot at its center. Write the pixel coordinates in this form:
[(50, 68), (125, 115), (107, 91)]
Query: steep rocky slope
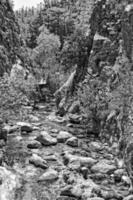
[(9, 36)]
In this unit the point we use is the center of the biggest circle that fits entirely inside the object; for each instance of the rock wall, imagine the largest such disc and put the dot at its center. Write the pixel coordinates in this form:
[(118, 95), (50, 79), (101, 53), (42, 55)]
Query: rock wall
[(115, 25)]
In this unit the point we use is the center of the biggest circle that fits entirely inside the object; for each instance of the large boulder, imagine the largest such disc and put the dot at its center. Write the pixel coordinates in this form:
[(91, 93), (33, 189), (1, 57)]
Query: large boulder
[(46, 139), (79, 160), (63, 136), (73, 142), (103, 167), (37, 161), (49, 175), (34, 144)]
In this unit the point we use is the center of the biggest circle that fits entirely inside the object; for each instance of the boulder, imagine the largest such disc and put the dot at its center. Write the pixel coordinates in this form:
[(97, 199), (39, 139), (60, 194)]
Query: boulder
[(46, 139), (103, 167), (50, 158), (49, 175), (34, 144), (83, 161), (25, 127), (63, 136), (57, 119), (73, 142), (37, 161)]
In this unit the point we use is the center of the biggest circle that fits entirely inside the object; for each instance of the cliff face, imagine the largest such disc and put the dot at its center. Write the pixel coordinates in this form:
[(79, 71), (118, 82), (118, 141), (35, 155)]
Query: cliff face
[(9, 37), (114, 30)]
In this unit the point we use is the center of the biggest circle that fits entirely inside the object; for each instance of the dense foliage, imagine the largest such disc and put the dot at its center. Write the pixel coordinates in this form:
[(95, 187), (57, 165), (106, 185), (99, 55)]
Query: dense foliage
[(59, 37)]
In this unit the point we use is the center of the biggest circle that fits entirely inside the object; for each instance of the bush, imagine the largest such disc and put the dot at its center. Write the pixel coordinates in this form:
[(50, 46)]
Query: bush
[(15, 94), (10, 99)]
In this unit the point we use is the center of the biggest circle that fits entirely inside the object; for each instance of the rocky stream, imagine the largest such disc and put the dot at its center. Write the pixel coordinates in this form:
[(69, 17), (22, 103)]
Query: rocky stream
[(49, 158)]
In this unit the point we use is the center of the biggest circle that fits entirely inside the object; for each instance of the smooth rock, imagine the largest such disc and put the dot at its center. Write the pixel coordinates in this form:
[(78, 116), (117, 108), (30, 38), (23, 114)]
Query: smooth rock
[(24, 126), (63, 136), (54, 118), (50, 158), (50, 175), (73, 142), (103, 167), (38, 161), (34, 144), (46, 139), (84, 161)]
